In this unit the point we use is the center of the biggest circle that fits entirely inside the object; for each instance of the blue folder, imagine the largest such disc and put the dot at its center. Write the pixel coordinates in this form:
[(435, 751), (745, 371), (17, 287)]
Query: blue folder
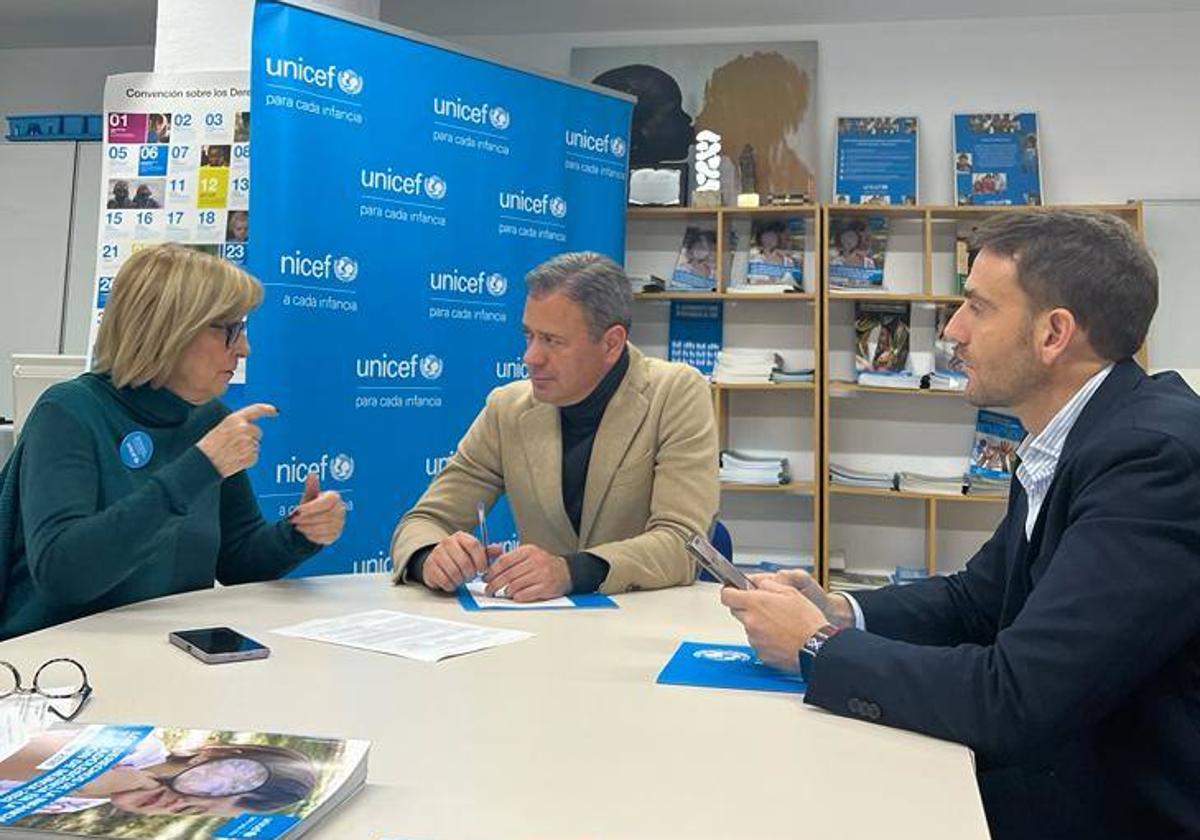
[(587, 601), (725, 666)]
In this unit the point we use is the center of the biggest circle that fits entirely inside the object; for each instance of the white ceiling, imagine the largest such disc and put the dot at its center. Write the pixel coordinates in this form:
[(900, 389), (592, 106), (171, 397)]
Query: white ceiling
[(76, 23), (94, 23), (516, 17)]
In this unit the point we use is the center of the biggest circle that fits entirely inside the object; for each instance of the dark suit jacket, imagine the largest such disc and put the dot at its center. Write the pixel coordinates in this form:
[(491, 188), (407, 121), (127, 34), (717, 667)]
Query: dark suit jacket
[(1070, 663)]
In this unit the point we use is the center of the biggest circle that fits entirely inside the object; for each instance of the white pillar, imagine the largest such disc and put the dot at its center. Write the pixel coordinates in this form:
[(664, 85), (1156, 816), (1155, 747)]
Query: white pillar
[(215, 34)]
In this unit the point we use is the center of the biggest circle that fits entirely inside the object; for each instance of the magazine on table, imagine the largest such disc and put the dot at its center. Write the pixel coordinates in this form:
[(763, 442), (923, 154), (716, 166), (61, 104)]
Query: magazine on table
[(139, 781), (997, 159), (857, 249), (876, 161)]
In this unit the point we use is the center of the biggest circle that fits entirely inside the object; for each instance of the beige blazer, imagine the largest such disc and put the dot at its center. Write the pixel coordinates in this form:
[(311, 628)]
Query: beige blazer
[(651, 482)]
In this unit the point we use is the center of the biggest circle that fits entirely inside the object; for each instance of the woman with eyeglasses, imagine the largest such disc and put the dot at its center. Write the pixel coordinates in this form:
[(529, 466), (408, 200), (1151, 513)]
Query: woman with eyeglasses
[(214, 780), (129, 482)]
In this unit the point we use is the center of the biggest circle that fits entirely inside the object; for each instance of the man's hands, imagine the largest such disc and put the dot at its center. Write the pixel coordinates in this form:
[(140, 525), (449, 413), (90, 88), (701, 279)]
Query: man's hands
[(834, 605), (780, 615), (529, 573), (455, 560)]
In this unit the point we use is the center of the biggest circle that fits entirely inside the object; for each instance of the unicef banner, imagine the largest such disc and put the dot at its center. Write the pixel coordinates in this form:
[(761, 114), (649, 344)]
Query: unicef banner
[(400, 192)]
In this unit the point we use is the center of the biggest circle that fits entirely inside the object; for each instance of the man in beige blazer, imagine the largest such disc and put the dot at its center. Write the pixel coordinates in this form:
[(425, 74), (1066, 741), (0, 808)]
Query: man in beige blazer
[(608, 458)]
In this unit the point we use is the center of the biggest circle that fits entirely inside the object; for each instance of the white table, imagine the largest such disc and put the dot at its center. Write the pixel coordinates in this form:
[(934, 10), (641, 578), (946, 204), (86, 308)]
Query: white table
[(565, 735)]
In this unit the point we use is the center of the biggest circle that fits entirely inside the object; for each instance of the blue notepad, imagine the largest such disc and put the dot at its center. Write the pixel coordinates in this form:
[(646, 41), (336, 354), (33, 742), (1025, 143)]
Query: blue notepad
[(725, 666), (589, 600)]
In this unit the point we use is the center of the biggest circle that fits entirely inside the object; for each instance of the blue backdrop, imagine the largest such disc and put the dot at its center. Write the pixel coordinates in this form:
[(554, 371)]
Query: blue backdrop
[(399, 193)]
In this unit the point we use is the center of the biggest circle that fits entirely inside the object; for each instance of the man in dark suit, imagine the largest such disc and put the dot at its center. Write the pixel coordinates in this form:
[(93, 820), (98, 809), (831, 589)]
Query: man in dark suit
[(1067, 653)]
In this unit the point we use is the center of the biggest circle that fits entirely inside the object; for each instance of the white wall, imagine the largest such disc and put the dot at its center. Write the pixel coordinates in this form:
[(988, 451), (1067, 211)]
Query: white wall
[(63, 81), (1116, 93)]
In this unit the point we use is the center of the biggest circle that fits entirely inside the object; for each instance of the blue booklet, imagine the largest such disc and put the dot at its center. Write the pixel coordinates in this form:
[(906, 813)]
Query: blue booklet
[(589, 600), (996, 159), (726, 666), (994, 452), (875, 161), (694, 335)]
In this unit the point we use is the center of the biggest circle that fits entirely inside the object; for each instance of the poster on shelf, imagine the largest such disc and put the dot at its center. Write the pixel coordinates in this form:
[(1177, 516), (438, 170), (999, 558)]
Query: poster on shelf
[(393, 262), (175, 168), (997, 159), (875, 161), (694, 335)]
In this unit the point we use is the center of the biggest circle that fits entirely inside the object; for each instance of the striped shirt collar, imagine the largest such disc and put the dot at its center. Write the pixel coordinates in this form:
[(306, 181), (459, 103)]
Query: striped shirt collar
[(1039, 453)]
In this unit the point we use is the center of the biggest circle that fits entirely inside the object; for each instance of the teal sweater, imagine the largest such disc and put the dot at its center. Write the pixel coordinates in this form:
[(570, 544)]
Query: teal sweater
[(82, 532)]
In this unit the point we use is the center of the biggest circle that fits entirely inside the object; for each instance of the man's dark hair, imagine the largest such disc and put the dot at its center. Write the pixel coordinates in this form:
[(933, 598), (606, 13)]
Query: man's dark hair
[(1089, 262)]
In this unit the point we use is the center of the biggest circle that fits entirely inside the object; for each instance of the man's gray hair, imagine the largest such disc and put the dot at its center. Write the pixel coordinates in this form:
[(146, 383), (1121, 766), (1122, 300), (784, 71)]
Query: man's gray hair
[(591, 280)]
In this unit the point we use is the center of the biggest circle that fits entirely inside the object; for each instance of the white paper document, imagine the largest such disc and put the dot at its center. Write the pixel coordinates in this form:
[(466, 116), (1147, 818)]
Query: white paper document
[(402, 634), (477, 587)]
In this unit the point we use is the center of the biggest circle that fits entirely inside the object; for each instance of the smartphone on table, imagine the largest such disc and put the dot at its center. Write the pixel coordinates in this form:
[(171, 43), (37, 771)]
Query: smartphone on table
[(218, 644), (717, 565)]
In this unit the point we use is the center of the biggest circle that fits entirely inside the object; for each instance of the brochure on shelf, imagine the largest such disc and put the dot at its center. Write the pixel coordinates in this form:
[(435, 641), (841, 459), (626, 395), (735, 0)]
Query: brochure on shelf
[(997, 159), (875, 161)]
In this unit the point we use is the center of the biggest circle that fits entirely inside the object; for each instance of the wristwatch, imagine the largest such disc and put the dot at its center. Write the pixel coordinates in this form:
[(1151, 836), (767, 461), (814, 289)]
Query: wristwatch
[(808, 653)]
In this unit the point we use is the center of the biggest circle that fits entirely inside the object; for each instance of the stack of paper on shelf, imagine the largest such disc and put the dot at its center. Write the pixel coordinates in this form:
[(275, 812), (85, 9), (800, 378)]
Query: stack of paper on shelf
[(908, 574), (841, 580), (646, 283), (981, 485), (888, 380), (762, 288), (735, 366), (793, 375), (939, 381), (839, 474), (753, 469), (945, 485)]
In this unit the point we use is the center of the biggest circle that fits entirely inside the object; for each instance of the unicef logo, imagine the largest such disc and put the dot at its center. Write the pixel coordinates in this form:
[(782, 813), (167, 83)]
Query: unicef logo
[(499, 118), (431, 367), (350, 82), (717, 655), (618, 147), (558, 207), (341, 467), (435, 187), (497, 284), (345, 269)]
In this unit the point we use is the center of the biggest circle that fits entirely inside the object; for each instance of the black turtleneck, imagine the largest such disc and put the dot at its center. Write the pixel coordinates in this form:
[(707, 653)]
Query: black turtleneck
[(578, 424)]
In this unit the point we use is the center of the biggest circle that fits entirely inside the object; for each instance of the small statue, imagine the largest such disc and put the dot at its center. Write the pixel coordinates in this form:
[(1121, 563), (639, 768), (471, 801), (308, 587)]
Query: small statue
[(749, 179)]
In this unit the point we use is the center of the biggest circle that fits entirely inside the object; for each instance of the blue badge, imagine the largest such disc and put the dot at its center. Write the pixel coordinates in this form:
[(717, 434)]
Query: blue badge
[(136, 450)]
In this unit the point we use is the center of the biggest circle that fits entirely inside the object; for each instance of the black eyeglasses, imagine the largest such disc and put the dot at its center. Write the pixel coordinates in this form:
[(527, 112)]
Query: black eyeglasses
[(56, 679), (233, 331)]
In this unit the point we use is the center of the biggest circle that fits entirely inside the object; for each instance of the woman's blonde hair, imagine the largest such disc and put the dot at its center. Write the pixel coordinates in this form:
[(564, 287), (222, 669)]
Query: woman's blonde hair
[(161, 299)]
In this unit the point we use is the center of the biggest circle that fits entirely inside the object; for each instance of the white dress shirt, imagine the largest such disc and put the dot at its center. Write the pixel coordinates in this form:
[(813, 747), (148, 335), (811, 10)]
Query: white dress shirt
[(1039, 456)]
